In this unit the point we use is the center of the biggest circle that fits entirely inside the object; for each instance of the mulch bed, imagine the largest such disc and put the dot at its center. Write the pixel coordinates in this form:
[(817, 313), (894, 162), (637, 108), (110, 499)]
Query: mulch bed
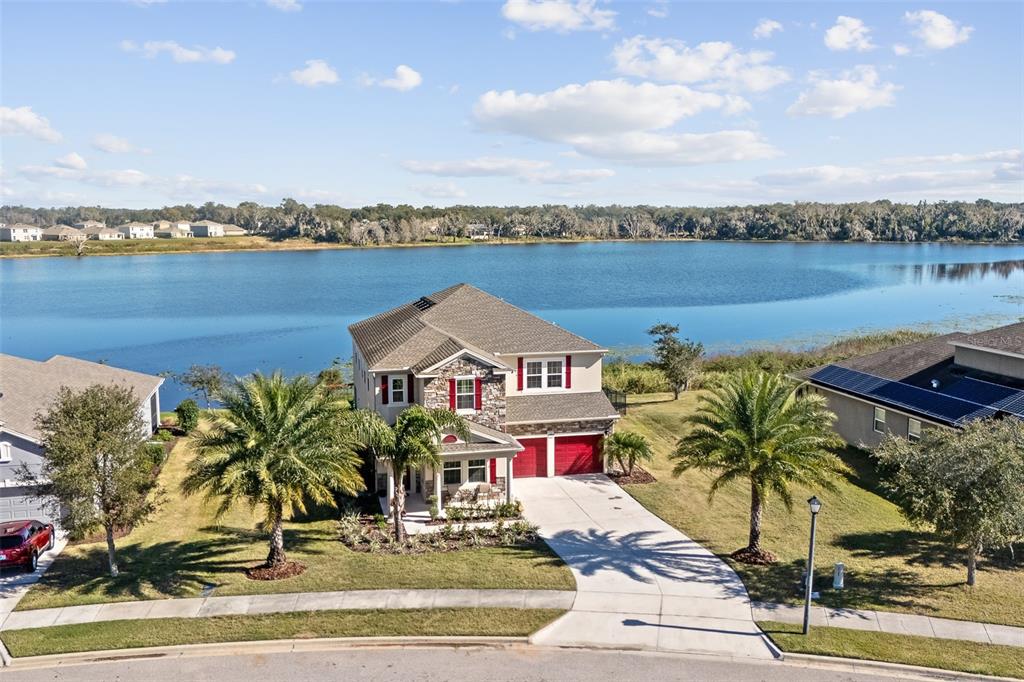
[(288, 569), (639, 476), (746, 556)]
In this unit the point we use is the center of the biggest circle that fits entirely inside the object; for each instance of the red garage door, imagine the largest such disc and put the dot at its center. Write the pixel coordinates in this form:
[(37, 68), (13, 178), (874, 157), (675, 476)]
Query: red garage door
[(577, 455), (533, 461)]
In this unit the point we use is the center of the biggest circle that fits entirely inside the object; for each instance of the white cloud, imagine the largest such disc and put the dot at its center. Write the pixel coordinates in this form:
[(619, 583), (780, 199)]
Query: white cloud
[(112, 144), (573, 176), (937, 31), (659, 10), (440, 190), (179, 53), (858, 89), (850, 183), (406, 78), (849, 33), (317, 73), (478, 167), (678, 149), (559, 15), (1002, 155), (24, 121), (766, 27), (900, 50), (719, 64), (285, 5), (111, 178), (73, 161)]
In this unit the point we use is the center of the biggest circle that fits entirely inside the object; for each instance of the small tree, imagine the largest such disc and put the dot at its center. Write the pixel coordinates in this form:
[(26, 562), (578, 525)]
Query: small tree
[(204, 380), (968, 484), (678, 359), (96, 467), (188, 415), (627, 448)]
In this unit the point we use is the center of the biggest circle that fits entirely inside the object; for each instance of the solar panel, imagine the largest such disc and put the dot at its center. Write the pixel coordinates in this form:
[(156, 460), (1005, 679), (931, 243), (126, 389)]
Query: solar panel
[(981, 392), (942, 407)]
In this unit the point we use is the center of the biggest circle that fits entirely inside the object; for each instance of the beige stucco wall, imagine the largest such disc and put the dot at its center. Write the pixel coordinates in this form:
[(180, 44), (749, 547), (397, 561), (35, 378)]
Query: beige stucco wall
[(990, 362), (855, 420), (586, 373)]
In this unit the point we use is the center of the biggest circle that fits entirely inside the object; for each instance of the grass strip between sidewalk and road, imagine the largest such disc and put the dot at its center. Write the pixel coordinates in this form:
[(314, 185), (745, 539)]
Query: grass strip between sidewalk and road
[(947, 654), (130, 634)]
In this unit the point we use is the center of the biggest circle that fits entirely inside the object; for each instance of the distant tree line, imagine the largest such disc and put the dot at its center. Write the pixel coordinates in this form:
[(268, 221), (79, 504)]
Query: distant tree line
[(982, 220)]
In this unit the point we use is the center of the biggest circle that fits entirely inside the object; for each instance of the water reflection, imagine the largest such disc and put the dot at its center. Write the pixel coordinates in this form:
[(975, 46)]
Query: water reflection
[(918, 273)]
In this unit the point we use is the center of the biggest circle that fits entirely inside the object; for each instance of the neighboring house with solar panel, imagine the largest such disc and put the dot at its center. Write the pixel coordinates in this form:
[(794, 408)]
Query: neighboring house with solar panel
[(530, 390), (944, 381)]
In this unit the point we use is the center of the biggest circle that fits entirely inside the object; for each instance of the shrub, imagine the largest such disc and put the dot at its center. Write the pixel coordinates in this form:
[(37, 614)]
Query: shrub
[(629, 377), (163, 435), (188, 415), (154, 453)]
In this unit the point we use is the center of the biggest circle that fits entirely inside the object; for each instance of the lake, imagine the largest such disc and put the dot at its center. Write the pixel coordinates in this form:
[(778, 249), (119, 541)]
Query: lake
[(289, 309)]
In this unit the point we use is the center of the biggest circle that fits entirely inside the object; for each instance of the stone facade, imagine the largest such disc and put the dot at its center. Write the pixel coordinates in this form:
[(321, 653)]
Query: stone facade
[(492, 390), (560, 428)]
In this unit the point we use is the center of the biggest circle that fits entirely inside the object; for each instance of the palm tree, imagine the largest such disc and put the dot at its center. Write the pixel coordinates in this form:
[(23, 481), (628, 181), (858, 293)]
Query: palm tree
[(627, 448), (755, 427), (414, 440), (277, 443)]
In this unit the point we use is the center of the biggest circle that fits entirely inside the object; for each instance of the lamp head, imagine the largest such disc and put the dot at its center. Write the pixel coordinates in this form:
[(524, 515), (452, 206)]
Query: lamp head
[(815, 504)]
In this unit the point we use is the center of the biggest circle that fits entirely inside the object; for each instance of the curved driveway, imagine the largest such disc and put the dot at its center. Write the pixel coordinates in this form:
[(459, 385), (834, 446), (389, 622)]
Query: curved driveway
[(640, 582)]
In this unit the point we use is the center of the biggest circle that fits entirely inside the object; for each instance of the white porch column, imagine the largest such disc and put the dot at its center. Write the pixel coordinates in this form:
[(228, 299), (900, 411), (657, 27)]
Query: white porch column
[(508, 480), (437, 493), (391, 489), (551, 455)]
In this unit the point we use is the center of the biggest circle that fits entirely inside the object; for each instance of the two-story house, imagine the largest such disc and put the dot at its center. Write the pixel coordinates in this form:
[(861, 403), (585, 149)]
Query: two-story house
[(530, 390)]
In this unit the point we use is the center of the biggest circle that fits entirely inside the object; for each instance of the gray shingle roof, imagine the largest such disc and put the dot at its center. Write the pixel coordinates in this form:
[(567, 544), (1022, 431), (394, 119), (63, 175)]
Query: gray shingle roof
[(902, 362), (558, 406), (1009, 339), (459, 317), (30, 386)]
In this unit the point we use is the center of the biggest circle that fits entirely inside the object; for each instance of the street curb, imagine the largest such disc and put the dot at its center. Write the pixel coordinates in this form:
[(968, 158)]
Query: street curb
[(255, 646), (861, 665), (5, 656)]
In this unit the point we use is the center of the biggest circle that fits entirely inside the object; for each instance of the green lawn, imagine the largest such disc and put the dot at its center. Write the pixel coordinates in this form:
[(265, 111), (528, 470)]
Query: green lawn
[(184, 549), (127, 634), (890, 565), (947, 654)]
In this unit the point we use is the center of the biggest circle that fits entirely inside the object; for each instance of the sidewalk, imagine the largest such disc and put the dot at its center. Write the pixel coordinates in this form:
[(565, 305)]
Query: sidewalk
[(202, 607), (893, 623)]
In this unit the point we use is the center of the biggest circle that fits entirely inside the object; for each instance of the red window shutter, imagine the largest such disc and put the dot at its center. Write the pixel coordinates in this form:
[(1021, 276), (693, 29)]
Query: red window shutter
[(409, 383), (451, 394), (519, 374), (568, 371), (478, 402), (384, 390)]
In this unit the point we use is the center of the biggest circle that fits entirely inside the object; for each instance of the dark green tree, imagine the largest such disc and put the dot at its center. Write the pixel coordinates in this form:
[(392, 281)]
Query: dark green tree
[(678, 359)]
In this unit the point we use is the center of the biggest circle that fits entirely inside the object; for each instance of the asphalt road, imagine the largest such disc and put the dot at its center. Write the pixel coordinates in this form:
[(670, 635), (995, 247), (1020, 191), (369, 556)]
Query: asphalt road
[(405, 664)]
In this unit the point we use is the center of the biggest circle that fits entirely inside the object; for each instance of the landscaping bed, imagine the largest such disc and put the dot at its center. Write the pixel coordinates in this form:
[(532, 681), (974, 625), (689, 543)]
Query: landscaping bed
[(640, 476), (363, 534)]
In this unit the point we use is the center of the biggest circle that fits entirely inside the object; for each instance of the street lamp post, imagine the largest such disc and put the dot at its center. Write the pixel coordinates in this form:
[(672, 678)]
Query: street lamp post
[(815, 505)]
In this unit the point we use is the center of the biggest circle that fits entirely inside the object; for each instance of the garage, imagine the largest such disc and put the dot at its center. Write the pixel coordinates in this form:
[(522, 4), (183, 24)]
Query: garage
[(533, 461), (578, 455), (20, 504)]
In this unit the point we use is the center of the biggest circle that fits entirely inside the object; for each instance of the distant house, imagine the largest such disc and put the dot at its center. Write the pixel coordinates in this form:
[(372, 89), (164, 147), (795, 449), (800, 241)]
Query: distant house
[(234, 231), (60, 233), (941, 382), (207, 228), (171, 229), (136, 230), (20, 232), (86, 224), (29, 387), (102, 233), (478, 232)]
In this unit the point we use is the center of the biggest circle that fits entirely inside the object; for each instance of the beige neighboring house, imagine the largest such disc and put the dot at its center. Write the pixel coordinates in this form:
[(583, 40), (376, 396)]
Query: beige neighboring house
[(530, 391), (86, 224), (102, 234), (60, 233), (172, 229), (135, 230), (207, 228), (941, 382), (234, 230), (20, 232), (29, 387)]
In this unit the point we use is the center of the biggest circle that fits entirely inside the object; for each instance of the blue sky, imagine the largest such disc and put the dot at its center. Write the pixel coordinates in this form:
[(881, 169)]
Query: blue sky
[(142, 104)]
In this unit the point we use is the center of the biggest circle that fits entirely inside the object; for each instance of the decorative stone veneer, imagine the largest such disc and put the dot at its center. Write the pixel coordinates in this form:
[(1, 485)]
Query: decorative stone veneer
[(560, 428), (492, 390)]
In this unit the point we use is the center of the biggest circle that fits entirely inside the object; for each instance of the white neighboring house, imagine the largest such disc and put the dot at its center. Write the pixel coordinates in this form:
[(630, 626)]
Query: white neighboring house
[(60, 233), (136, 230), (20, 232), (478, 232), (172, 229), (102, 234), (86, 224), (29, 387), (207, 228), (234, 231)]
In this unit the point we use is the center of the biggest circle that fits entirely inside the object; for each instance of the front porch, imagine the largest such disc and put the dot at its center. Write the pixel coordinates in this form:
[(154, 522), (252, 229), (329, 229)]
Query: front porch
[(480, 482)]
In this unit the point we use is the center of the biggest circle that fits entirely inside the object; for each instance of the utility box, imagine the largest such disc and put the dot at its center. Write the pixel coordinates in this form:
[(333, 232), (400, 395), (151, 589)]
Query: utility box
[(838, 575)]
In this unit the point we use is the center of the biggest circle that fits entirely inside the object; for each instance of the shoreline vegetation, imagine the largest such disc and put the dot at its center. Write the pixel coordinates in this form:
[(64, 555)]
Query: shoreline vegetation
[(293, 225)]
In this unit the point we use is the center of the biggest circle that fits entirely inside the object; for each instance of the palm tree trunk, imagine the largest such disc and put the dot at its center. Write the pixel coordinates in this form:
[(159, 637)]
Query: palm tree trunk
[(756, 511), (398, 507), (276, 555), (111, 557)]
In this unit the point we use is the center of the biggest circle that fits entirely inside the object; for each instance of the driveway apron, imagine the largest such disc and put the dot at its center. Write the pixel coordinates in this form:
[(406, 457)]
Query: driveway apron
[(640, 583)]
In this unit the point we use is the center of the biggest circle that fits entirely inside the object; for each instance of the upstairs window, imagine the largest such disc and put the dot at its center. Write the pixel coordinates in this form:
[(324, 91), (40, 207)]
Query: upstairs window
[(398, 390), (535, 375), (913, 430), (554, 374), (465, 394), (879, 421), (544, 374), (5, 452)]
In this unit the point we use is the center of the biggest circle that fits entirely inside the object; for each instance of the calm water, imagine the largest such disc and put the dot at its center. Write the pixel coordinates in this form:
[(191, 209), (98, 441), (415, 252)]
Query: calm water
[(245, 311)]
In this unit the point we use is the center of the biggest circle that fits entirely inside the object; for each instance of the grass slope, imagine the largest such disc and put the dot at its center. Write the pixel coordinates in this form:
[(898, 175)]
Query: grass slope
[(127, 634), (184, 548), (948, 654), (890, 565)]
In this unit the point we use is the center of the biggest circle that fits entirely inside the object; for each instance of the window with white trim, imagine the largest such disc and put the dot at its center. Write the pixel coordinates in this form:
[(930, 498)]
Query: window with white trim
[(477, 470), (5, 452), (398, 389), (879, 420), (542, 374), (913, 430), (452, 473), (465, 394)]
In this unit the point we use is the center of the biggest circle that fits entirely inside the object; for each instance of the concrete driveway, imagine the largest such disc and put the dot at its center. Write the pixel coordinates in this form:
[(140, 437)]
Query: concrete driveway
[(14, 583), (640, 583)]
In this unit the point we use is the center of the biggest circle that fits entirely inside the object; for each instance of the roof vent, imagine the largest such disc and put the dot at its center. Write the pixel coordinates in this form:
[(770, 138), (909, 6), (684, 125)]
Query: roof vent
[(423, 304), (935, 384)]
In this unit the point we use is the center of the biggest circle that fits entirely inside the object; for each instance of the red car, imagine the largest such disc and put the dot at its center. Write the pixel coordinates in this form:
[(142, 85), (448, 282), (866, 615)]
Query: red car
[(21, 543)]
